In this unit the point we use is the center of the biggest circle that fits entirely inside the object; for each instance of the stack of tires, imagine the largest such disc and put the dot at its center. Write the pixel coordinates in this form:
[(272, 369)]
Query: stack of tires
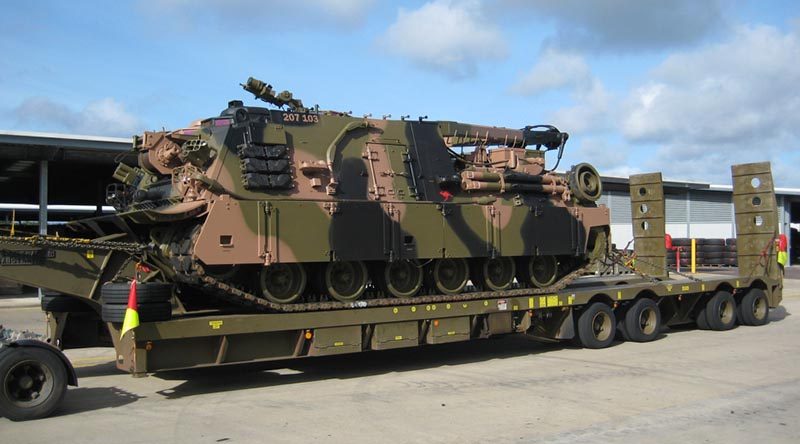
[(730, 256), (709, 252), (685, 246), (153, 301)]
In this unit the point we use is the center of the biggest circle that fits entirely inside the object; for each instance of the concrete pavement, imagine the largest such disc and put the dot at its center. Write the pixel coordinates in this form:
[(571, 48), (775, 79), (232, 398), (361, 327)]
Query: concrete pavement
[(688, 386)]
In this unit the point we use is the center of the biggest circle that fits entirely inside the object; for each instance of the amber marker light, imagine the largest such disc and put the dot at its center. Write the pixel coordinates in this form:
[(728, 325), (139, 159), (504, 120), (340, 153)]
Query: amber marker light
[(309, 335)]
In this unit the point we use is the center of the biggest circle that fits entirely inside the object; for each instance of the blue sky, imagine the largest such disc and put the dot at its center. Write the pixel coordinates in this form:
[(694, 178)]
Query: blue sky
[(684, 87)]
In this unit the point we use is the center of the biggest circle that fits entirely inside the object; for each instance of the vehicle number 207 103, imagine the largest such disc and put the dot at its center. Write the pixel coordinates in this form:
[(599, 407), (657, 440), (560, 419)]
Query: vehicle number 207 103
[(300, 118)]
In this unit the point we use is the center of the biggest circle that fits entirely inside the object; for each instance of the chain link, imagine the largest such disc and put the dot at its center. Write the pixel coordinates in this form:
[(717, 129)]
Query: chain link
[(73, 243)]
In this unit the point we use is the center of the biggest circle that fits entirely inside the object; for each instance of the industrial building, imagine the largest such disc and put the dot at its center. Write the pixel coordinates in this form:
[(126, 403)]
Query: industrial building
[(69, 174)]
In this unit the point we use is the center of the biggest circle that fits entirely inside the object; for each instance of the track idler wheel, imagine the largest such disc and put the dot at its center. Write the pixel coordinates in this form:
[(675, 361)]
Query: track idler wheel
[(282, 283), (345, 281), (584, 183), (539, 271), (450, 275), (401, 278), (494, 273)]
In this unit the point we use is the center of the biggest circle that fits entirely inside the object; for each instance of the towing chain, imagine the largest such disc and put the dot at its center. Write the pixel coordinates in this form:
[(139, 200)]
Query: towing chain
[(250, 300), (66, 243), (620, 259)]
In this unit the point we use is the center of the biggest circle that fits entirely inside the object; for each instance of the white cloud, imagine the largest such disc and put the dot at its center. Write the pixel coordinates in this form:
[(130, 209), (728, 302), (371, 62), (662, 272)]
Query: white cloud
[(553, 70), (622, 25), (100, 117), (610, 159), (446, 36), (725, 103), (592, 109)]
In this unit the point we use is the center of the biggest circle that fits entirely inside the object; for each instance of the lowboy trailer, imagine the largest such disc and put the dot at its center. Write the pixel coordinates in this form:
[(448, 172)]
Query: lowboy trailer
[(591, 311)]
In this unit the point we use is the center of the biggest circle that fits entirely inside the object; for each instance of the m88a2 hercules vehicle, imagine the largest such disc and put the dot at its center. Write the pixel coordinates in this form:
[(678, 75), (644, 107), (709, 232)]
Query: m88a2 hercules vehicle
[(298, 205)]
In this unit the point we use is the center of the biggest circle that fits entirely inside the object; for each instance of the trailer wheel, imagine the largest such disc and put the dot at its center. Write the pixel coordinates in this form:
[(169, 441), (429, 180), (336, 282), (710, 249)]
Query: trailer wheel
[(702, 319), (721, 311), (642, 321), (754, 308), (596, 326), (34, 382)]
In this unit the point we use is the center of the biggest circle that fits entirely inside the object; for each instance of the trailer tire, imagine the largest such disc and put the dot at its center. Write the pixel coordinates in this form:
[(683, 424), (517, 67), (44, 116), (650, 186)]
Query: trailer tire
[(753, 308), (702, 319), (150, 312), (596, 326), (146, 292), (721, 311), (64, 304), (642, 322), (33, 382)]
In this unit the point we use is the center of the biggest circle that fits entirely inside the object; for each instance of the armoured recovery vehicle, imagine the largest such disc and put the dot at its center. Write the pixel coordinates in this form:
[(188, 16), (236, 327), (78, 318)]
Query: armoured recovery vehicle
[(295, 204)]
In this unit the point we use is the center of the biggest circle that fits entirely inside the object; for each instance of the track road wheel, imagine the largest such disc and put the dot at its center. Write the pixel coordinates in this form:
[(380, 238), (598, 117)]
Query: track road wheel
[(754, 308), (345, 281), (282, 283), (402, 278), (596, 326), (34, 382), (642, 321), (540, 271), (495, 273), (450, 275), (721, 311), (584, 183)]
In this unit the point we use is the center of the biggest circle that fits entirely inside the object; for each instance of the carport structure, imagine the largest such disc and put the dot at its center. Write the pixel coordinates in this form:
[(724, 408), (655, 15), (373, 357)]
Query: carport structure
[(66, 175)]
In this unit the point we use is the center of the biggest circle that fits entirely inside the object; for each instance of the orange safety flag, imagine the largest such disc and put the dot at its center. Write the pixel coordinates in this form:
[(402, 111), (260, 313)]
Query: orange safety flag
[(131, 313)]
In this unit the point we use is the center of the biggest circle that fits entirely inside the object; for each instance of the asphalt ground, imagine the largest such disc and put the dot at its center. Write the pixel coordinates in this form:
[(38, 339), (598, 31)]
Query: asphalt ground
[(687, 386)]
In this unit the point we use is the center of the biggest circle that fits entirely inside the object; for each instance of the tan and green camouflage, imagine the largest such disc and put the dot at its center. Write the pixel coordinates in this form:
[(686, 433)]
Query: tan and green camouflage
[(295, 203)]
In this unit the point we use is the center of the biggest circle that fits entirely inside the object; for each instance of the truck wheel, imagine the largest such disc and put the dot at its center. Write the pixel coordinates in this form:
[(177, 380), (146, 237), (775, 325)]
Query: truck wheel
[(151, 312), (721, 311), (754, 308), (146, 292), (596, 326), (34, 382), (642, 321), (64, 304)]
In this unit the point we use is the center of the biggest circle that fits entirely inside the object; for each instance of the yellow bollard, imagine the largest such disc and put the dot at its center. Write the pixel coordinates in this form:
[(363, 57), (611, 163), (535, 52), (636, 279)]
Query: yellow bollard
[(694, 252)]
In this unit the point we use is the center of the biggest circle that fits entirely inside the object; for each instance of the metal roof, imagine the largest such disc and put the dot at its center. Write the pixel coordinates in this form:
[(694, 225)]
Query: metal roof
[(32, 146)]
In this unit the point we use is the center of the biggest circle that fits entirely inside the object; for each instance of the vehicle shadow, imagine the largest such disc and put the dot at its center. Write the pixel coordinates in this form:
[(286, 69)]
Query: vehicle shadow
[(265, 374), (86, 399), (245, 376), (101, 369)]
